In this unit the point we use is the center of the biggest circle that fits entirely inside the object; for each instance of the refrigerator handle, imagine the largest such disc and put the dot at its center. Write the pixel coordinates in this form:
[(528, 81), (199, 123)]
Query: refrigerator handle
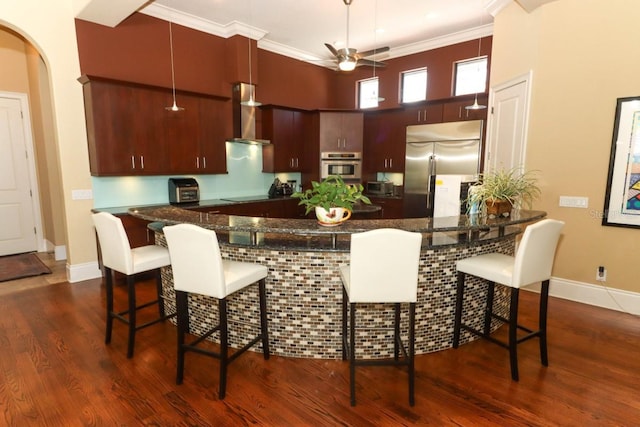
[(432, 165)]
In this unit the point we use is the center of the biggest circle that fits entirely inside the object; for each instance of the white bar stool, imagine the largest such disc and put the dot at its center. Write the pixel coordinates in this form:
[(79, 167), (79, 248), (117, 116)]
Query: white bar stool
[(117, 255), (532, 263), (383, 269), (198, 268)]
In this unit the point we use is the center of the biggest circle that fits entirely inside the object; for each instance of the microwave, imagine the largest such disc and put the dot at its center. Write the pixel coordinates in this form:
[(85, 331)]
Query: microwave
[(347, 165), (380, 188)]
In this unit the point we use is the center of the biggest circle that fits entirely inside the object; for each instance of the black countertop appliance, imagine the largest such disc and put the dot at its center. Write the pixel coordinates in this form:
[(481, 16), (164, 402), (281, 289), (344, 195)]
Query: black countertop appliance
[(183, 190)]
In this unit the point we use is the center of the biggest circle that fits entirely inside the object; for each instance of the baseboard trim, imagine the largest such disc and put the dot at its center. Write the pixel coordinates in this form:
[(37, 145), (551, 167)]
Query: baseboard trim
[(86, 271), (599, 296)]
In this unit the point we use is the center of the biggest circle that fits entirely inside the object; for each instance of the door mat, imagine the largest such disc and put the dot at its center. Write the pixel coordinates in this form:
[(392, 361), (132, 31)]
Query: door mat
[(14, 267)]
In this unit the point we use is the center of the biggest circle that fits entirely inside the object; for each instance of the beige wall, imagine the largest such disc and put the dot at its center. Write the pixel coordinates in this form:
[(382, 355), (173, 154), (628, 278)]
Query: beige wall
[(584, 55), (50, 28), (46, 149), (25, 72), (13, 72)]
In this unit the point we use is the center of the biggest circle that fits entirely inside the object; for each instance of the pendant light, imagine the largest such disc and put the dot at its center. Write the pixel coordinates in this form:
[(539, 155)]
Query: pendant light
[(251, 102), (475, 105), (375, 43), (174, 107)]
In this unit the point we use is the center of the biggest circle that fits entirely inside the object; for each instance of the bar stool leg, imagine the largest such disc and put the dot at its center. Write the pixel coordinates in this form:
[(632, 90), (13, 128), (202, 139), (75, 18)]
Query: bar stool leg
[(488, 311), (158, 275), (131, 288), (224, 347), (352, 352), (396, 332), (182, 310), (458, 316), (264, 324), (344, 324), (108, 273), (412, 372), (542, 319), (513, 333)]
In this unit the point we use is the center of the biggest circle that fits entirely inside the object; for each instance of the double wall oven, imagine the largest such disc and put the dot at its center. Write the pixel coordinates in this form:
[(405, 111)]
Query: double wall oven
[(346, 164)]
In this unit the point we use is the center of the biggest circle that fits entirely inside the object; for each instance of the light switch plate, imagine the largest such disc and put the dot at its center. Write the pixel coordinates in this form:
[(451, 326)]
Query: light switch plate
[(574, 202), (81, 194)]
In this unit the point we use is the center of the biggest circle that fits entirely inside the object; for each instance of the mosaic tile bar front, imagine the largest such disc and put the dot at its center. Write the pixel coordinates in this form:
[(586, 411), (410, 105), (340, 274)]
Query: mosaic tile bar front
[(304, 294)]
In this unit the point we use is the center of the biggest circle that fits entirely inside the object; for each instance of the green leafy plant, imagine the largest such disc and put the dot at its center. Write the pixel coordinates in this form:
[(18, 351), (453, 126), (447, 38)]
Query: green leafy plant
[(514, 186), (332, 192)]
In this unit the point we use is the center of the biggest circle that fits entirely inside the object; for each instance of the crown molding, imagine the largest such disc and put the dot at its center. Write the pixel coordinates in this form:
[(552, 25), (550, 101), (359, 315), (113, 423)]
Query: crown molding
[(237, 28), (234, 28)]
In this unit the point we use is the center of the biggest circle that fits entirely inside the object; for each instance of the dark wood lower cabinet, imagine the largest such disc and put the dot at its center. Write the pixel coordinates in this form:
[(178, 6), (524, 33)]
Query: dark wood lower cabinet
[(137, 231), (391, 207)]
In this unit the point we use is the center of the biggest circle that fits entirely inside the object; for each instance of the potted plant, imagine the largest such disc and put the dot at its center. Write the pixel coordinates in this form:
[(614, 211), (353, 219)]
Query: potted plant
[(332, 199), (500, 190)]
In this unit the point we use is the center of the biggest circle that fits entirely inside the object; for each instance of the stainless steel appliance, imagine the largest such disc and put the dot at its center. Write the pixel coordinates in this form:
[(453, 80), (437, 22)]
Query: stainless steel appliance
[(380, 188), (183, 190), (244, 116), (439, 149), (346, 164)]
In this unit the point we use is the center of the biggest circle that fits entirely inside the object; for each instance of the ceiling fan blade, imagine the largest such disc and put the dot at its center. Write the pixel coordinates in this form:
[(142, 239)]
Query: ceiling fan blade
[(371, 63), (373, 52), (332, 49)]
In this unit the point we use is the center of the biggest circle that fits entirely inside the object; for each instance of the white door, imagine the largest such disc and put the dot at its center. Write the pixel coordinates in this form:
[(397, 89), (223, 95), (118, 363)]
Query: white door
[(508, 119), (17, 225)]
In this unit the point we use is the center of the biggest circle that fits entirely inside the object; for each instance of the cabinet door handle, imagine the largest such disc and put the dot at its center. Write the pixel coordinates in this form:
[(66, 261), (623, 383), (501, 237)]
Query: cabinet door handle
[(133, 162), (460, 112), (419, 114), (197, 162), (141, 162), (204, 162), (385, 163), (296, 162), (390, 163)]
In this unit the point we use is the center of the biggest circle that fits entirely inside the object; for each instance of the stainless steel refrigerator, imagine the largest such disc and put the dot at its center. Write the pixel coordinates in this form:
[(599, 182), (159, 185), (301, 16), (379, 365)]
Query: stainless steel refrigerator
[(451, 148)]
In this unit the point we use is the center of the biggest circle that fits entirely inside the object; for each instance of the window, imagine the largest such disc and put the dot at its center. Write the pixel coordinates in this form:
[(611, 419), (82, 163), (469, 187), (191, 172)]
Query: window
[(368, 93), (414, 85), (471, 76)]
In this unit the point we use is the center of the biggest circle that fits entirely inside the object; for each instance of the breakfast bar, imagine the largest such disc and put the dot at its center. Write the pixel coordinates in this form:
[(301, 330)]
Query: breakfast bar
[(304, 289)]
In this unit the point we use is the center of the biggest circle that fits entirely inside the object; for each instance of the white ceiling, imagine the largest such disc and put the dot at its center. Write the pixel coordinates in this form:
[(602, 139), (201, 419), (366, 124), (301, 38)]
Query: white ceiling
[(299, 28)]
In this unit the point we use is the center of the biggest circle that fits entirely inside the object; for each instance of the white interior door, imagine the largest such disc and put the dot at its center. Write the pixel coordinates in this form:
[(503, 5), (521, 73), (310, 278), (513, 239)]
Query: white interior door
[(508, 119), (17, 223)]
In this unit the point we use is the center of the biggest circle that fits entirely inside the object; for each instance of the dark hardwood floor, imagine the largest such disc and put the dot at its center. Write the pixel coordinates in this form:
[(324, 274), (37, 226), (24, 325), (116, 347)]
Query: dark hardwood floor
[(56, 371)]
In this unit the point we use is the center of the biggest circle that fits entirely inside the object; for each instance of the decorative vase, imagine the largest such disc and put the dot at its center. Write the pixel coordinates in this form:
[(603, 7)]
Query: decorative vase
[(496, 208), (332, 217)]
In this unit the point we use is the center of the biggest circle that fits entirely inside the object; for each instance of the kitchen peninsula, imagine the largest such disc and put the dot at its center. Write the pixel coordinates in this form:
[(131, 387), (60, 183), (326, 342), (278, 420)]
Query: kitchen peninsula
[(304, 290)]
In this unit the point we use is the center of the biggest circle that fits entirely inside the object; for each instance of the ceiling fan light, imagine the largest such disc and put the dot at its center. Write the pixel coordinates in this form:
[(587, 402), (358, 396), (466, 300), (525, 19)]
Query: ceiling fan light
[(347, 64)]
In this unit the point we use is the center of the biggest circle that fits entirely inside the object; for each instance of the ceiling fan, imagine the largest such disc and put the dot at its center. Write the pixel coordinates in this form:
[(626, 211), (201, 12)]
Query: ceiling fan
[(348, 58)]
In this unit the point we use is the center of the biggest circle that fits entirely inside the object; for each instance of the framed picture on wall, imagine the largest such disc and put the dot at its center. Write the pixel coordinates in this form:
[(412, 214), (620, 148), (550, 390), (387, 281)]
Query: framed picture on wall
[(622, 198)]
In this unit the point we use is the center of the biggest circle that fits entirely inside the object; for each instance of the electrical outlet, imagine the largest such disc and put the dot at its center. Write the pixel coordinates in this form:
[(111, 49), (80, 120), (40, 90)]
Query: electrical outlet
[(601, 274)]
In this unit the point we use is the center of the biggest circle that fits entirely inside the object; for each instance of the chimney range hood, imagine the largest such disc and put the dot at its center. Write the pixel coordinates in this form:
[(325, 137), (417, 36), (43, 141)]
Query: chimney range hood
[(244, 116)]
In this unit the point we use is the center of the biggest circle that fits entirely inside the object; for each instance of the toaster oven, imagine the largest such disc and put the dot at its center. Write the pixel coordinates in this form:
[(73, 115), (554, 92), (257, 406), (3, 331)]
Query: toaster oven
[(380, 188), (183, 190)]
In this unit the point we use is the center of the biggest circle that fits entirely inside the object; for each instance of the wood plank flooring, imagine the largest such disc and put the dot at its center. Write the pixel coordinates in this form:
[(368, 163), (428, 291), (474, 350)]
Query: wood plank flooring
[(56, 371)]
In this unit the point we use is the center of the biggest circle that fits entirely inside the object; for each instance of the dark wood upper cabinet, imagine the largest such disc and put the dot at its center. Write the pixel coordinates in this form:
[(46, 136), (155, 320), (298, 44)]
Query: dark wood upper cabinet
[(384, 141), (287, 129), (423, 113), (455, 110), (130, 131), (341, 131)]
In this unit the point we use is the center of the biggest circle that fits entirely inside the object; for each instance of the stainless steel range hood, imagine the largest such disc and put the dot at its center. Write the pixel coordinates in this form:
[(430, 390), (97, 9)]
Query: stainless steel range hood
[(244, 116)]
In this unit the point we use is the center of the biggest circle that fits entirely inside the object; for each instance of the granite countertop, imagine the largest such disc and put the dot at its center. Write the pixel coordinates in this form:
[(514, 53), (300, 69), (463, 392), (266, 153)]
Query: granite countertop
[(201, 204), (222, 222)]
